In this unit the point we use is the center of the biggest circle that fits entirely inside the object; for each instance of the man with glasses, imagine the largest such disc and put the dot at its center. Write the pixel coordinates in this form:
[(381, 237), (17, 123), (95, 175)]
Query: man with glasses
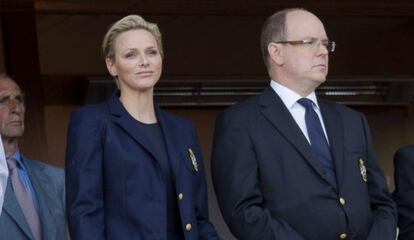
[(289, 165)]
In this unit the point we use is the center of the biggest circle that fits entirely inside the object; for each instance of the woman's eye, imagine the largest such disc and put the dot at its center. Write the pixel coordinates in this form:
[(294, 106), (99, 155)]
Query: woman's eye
[(152, 52), (129, 55)]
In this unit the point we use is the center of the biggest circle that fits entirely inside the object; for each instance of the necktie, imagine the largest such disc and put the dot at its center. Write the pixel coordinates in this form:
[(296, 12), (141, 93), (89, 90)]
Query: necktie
[(25, 200), (318, 140)]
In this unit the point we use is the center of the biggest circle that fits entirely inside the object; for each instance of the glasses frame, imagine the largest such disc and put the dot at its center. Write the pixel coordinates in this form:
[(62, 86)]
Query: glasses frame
[(329, 45)]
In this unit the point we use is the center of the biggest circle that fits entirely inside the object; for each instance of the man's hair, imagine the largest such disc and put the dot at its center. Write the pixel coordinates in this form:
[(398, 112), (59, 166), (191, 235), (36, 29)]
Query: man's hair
[(4, 75), (274, 29)]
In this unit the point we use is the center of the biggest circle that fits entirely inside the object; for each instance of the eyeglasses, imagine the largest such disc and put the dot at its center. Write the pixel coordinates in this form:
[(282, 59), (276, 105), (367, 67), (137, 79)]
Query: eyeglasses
[(312, 42)]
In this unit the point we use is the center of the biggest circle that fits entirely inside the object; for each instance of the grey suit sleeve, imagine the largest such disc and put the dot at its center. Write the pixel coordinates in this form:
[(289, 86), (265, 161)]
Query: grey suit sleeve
[(4, 172), (237, 185)]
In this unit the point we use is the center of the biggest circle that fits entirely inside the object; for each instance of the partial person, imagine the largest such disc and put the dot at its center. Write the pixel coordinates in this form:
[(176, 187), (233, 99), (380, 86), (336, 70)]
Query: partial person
[(289, 165), (133, 170), (404, 191), (4, 173), (34, 207)]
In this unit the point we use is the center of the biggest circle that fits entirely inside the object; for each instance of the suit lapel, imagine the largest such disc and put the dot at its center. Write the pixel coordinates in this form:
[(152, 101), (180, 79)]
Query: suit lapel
[(12, 208), (128, 124), (334, 129), (276, 112), (42, 186)]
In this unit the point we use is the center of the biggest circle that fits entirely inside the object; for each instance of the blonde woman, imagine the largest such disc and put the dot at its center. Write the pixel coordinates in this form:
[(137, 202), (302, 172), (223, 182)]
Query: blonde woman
[(134, 171)]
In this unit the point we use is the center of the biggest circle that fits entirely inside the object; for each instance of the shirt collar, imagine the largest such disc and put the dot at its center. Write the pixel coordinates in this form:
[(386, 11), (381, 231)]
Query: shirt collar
[(18, 157), (290, 97)]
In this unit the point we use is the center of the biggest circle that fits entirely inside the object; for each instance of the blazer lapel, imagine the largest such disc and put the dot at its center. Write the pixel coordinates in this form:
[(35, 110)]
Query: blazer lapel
[(12, 208), (334, 129), (128, 123), (276, 112), (41, 184)]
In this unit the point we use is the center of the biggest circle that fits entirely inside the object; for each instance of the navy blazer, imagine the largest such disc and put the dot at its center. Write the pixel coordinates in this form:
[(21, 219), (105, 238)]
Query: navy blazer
[(115, 186), (270, 184), (404, 191), (49, 186)]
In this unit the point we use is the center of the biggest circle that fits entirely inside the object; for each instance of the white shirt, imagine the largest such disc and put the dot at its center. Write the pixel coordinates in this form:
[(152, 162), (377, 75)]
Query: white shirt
[(4, 173), (290, 99)]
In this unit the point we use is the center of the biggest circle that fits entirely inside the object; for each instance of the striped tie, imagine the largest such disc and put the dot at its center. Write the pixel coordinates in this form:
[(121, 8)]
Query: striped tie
[(25, 200)]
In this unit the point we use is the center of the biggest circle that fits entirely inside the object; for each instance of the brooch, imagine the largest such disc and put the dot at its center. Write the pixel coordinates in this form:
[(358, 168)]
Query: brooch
[(193, 159), (363, 170)]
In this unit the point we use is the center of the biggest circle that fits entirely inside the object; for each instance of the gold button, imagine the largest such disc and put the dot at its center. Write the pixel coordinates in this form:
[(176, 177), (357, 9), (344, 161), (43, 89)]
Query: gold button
[(343, 236), (188, 227), (342, 200), (180, 196)]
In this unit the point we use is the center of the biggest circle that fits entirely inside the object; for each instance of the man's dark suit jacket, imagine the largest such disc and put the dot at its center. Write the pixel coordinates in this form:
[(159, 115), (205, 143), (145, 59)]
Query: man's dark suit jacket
[(270, 185), (49, 186), (404, 191), (115, 185)]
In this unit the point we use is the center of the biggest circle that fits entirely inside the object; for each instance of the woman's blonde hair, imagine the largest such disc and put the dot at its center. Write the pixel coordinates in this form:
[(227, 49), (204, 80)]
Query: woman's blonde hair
[(130, 22)]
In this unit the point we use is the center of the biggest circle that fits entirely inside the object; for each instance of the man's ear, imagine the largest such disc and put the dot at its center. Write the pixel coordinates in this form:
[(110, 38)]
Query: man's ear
[(111, 67), (275, 51)]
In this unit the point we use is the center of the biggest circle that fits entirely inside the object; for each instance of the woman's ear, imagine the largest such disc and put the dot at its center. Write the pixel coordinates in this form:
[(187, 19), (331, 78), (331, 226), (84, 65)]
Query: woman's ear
[(111, 67)]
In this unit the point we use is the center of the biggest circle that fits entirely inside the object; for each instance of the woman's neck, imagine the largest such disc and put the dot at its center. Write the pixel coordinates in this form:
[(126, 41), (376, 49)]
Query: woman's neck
[(140, 105)]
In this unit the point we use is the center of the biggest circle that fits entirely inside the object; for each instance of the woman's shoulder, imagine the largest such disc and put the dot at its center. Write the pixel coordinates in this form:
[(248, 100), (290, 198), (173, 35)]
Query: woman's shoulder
[(94, 112)]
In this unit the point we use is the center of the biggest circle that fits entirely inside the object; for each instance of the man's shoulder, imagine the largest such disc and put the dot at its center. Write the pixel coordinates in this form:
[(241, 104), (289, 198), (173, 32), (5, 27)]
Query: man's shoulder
[(405, 152), (245, 107), (339, 108), (44, 168)]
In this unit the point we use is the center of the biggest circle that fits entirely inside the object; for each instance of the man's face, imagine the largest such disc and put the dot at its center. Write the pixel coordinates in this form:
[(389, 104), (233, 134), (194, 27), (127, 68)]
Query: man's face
[(307, 63), (12, 109)]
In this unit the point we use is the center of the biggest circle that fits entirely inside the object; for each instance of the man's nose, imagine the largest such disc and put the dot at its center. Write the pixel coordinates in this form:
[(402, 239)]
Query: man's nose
[(322, 49), (16, 106)]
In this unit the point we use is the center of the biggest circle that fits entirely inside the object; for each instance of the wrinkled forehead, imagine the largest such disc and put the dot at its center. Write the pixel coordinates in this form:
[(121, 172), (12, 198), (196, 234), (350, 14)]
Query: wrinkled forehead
[(302, 24), (9, 87)]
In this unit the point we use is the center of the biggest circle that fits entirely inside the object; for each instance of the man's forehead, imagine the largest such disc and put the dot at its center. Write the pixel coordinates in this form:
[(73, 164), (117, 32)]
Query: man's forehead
[(8, 86), (304, 24)]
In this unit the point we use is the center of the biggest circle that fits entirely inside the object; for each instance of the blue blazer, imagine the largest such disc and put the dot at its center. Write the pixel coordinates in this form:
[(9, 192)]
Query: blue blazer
[(115, 187), (48, 183), (404, 191), (270, 184)]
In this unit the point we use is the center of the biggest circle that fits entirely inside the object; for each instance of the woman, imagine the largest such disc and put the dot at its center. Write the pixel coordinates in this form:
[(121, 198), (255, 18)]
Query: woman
[(134, 171)]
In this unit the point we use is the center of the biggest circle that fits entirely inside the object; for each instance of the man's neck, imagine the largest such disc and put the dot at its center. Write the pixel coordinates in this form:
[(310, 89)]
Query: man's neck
[(10, 146)]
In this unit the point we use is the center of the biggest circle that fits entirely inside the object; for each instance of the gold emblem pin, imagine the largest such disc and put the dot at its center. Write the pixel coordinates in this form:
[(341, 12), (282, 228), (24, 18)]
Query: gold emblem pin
[(193, 159), (363, 170)]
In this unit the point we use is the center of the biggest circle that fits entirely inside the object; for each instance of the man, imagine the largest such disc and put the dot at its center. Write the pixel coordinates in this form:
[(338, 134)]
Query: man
[(288, 165), (34, 200), (404, 191), (4, 172)]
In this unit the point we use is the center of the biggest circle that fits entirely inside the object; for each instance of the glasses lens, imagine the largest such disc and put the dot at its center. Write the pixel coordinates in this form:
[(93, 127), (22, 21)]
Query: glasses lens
[(331, 46)]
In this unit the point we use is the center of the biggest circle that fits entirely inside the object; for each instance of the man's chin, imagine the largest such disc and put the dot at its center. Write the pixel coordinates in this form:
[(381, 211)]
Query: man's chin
[(320, 79), (14, 134)]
